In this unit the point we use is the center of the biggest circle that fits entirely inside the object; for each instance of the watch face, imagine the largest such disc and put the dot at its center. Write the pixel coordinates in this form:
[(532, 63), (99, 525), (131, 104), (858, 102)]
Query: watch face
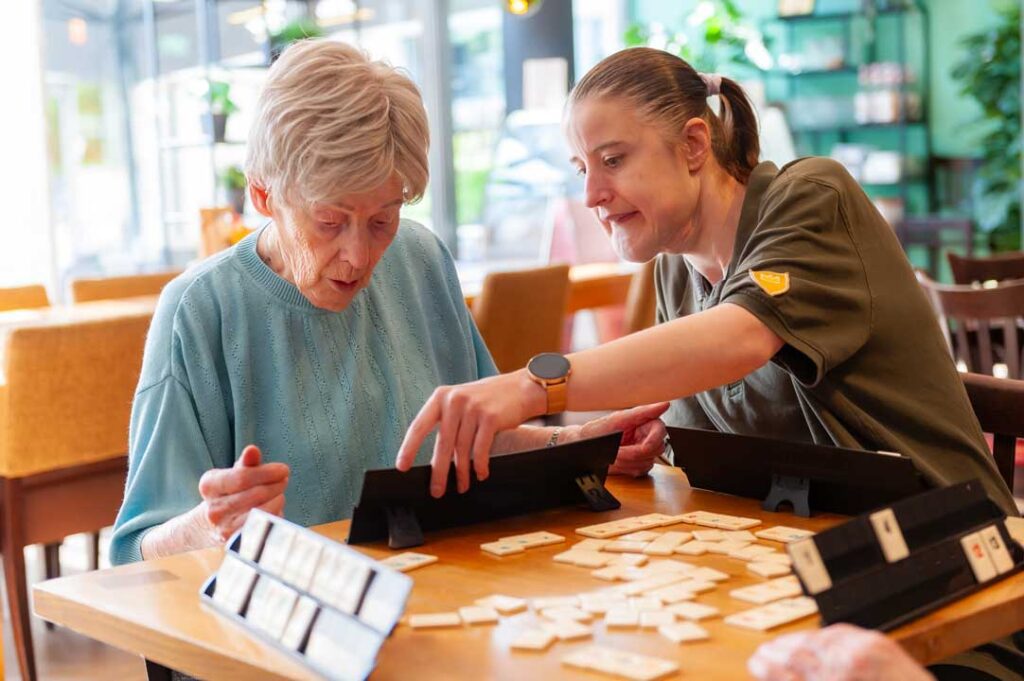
[(549, 366)]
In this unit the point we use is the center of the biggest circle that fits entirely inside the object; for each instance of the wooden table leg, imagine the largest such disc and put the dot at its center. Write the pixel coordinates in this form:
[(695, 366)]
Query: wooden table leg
[(51, 553)]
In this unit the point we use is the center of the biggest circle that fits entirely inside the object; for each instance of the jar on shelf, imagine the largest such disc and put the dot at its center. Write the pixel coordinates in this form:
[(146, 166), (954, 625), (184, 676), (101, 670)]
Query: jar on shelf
[(885, 98)]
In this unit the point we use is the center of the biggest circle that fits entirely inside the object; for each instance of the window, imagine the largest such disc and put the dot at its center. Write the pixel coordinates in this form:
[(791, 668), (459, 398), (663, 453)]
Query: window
[(93, 195)]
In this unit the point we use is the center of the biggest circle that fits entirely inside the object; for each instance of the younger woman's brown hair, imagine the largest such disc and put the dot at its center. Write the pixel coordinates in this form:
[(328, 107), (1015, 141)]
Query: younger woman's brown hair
[(668, 92)]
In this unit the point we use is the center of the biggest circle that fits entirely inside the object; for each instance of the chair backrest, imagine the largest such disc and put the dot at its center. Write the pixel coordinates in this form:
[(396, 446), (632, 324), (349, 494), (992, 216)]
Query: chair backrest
[(23, 298), (215, 227), (997, 267), (973, 318), (641, 300), (521, 313), (69, 393), (999, 403), (110, 288)]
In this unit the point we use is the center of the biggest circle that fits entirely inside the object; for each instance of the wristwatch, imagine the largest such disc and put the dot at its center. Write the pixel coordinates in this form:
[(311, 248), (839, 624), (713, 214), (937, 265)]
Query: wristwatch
[(551, 371)]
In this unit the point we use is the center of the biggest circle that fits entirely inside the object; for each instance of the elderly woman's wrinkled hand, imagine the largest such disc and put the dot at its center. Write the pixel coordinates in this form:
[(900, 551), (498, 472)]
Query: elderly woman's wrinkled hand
[(643, 437), (470, 415), (840, 652), (230, 493)]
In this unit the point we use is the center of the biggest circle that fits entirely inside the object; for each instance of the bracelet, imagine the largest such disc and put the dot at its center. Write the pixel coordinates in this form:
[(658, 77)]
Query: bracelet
[(553, 440)]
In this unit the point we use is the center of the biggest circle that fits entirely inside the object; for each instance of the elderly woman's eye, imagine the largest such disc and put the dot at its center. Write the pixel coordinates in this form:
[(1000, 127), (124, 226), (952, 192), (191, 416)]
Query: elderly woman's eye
[(329, 227), (613, 161), (385, 225)]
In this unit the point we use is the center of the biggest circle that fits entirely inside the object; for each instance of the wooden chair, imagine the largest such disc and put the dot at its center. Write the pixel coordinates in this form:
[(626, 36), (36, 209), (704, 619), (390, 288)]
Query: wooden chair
[(106, 288), (215, 227), (995, 268), (109, 288), (23, 298), (521, 313), (641, 301), (64, 415), (982, 326), (29, 298), (999, 403)]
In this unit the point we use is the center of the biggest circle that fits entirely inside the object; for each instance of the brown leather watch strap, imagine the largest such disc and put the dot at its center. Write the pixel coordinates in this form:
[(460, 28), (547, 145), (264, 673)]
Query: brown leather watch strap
[(558, 395)]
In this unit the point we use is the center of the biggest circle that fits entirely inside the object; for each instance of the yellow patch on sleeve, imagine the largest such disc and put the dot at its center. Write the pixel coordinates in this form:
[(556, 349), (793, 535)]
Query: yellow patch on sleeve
[(772, 283)]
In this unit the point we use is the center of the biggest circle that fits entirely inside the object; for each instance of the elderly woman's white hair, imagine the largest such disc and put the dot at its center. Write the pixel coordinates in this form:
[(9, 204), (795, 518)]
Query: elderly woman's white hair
[(332, 121)]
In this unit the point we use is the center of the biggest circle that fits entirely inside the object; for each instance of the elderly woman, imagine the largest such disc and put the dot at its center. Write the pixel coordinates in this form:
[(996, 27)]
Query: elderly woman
[(295, 361)]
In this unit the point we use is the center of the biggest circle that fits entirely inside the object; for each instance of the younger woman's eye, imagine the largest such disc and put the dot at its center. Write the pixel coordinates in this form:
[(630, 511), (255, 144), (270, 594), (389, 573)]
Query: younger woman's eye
[(613, 161), (580, 170)]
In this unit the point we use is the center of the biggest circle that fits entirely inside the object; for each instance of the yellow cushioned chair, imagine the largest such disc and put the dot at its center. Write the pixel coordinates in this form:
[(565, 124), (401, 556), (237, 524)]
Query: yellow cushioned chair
[(109, 288), (23, 298), (64, 414), (28, 298), (521, 313)]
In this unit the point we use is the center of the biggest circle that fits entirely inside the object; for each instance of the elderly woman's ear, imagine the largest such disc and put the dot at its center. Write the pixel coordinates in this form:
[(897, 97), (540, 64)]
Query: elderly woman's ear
[(260, 199)]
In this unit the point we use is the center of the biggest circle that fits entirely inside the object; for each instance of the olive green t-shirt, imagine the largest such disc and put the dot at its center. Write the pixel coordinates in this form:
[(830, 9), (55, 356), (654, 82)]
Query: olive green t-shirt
[(864, 363)]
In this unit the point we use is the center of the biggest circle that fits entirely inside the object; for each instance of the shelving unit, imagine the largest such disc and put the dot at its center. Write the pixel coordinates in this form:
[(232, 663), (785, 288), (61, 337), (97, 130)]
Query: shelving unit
[(189, 44), (860, 44)]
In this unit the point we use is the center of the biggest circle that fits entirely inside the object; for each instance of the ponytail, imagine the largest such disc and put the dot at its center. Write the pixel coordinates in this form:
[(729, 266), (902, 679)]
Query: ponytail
[(668, 91), (738, 146)]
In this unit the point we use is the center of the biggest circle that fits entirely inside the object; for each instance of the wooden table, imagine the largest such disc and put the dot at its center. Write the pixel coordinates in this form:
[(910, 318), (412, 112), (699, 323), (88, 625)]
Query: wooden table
[(153, 608), (591, 285)]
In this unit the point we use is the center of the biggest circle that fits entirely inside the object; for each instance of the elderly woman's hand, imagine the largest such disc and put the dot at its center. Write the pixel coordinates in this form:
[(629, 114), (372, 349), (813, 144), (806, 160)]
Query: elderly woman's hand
[(643, 437), (230, 493), (840, 652)]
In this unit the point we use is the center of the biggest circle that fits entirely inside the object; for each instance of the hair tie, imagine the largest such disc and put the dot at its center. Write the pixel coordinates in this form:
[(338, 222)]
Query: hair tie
[(713, 82)]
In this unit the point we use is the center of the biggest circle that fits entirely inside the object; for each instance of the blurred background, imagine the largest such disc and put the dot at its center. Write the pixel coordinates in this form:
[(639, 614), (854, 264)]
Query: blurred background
[(131, 116), (127, 123)]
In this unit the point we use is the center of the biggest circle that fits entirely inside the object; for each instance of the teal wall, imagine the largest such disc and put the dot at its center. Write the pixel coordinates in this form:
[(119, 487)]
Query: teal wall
[(952, 123), (953, 117)]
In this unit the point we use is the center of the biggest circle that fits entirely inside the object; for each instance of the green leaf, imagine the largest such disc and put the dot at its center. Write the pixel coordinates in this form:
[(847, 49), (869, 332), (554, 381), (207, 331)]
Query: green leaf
[(989, 72), (636, 35)]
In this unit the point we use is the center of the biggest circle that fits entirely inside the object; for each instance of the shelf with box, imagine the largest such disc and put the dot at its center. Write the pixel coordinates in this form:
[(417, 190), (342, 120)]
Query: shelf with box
[(207, 60), (854, 86)]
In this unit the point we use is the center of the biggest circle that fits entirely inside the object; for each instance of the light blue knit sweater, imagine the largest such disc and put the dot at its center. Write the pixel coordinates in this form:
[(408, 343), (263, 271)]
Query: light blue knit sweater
[(237, 355)]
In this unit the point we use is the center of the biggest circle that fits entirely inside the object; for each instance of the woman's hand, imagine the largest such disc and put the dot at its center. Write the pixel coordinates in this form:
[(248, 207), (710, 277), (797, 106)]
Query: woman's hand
[(643, 437), (840, 652), (470, 415), (230, 493)]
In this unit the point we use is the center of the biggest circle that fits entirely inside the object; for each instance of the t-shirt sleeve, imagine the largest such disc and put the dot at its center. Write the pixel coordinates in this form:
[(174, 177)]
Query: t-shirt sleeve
[(824, 314)]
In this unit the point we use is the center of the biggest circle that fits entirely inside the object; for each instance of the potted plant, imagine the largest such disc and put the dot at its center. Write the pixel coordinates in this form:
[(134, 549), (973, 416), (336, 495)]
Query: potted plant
[(721, 38), (218, 98), (990, 74), (232, 179), (300, 29)]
